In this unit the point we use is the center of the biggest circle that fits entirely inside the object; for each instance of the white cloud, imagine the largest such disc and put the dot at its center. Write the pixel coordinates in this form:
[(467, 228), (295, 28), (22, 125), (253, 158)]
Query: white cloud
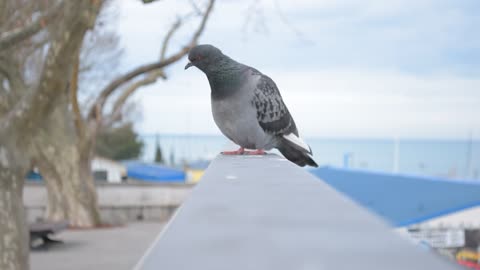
[(333, 103), (375, 68)]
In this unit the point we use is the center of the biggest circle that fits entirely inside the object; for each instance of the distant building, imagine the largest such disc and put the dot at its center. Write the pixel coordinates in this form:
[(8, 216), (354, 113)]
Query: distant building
[(108, 170), (103, 169), (441, 213)]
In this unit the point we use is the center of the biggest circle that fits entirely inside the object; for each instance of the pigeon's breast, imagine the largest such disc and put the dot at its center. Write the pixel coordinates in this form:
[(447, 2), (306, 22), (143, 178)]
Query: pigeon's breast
[(236, 118)]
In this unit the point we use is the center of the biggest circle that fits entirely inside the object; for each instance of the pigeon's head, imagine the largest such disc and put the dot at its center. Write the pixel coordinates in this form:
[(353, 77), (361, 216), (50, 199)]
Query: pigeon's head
[(204, 57)]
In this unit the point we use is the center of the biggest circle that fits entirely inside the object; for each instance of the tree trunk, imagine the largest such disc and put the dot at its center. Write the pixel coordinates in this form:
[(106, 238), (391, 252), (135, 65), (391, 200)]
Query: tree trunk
[(70, 189), (56, 209), (13, 231), (80, 193), (25, 113), (64, 158)]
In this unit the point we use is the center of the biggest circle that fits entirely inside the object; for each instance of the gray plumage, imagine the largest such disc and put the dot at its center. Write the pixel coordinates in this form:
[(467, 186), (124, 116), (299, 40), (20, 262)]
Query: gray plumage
[(247, 106)]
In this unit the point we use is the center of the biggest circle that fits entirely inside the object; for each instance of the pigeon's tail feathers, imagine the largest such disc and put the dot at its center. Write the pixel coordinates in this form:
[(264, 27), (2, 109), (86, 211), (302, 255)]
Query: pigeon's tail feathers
[(296, 150), (298, 142)]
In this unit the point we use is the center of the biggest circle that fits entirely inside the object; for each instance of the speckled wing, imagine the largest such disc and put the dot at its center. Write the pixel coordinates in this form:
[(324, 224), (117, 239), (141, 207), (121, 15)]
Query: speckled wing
[(272, 114)]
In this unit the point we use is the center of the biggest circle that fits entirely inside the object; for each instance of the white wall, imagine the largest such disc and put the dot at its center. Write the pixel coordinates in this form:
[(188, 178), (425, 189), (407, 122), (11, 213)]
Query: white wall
[(467, 218), (115, 170)]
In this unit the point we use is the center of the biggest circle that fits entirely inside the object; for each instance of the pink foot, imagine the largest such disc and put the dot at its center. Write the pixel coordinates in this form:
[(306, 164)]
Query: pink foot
[(256, 152), (240, 151)]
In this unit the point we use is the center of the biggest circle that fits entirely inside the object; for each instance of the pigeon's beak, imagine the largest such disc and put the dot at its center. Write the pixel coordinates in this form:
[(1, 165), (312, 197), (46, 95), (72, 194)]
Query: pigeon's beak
[(188, 65)]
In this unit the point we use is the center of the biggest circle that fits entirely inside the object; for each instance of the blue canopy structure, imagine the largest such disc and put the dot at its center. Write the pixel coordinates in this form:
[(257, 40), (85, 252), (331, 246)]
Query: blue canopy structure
[(402, 199), (153, 172), (33, 176)]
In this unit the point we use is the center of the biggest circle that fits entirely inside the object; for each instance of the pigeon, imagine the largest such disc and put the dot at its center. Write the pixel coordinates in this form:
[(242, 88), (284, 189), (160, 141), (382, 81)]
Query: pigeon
[(248, 108)]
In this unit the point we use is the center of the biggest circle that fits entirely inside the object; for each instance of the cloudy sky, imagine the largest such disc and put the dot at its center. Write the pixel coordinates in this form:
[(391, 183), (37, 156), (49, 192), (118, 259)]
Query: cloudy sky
[(346, 68)]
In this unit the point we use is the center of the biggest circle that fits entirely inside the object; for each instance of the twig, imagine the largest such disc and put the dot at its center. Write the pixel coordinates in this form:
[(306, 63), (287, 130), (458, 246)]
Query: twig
[(15, 36), (195, 7), (110, 88), (30, 110), (167, 38), (130, 90), (300, 35), (150, 78)]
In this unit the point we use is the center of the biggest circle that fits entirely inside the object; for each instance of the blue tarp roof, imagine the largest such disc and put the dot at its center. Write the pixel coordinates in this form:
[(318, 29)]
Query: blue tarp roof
[(402, 199), (153, 172), (33, 176)]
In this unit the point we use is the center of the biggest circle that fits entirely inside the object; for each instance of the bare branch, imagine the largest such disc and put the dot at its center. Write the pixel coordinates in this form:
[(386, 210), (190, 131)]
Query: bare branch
[(167, 38), (148, 1), (300, 35), (129, 91), (15, 36), (195, 7), (110, 88), (36, 44), (150, 78), (29, 111), (11, 72)]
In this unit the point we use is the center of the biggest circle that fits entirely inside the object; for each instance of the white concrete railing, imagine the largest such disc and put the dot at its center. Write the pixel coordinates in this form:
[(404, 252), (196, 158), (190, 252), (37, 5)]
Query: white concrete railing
[(251, 212), (119, 203)]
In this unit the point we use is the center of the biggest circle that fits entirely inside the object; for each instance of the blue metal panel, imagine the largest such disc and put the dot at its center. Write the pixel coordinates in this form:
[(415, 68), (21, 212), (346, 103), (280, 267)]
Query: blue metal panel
[(402, 199), (153, 172)]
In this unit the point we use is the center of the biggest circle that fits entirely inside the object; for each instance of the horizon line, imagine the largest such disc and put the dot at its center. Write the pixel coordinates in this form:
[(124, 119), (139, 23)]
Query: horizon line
[(383, 138)]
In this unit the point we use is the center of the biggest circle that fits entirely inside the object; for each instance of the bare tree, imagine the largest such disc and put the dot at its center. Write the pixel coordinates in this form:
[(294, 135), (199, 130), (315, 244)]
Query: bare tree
[(25, 102), (70, 187), (65, 160)]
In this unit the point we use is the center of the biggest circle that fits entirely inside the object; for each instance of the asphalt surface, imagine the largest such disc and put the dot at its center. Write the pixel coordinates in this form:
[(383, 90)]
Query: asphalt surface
[(106, 249)]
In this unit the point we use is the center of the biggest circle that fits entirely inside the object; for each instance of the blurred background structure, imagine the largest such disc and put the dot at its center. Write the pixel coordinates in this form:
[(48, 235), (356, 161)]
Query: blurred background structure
[(100, 127)]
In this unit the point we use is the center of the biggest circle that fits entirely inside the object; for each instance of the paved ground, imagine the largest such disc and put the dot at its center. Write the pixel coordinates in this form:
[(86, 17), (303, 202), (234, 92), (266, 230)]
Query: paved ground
[(106, 249)]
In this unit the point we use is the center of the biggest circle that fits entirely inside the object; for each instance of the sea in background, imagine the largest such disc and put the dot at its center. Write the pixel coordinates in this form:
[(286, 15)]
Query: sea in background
[(454, 159)]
